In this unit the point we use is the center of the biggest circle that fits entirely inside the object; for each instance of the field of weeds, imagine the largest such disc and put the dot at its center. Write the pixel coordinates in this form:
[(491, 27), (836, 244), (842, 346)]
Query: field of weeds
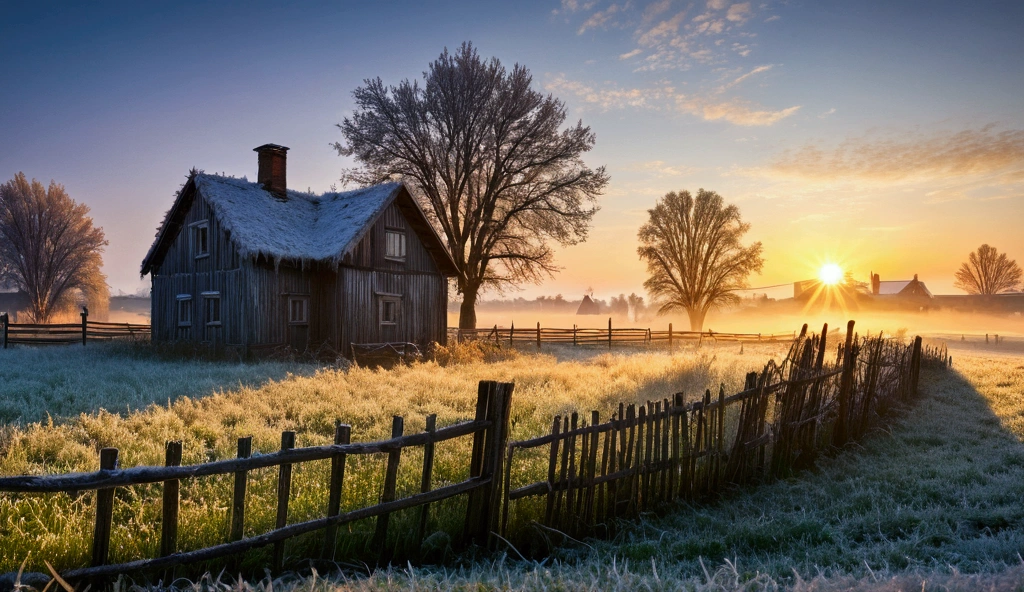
[(263, 400)]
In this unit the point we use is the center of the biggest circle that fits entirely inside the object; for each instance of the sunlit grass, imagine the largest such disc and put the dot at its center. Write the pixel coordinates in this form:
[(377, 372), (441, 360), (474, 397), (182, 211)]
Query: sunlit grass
[(57, 527)]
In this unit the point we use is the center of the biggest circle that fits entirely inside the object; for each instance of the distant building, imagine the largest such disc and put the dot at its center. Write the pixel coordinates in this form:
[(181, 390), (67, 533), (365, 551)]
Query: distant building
[(912, 289), (588, 307)]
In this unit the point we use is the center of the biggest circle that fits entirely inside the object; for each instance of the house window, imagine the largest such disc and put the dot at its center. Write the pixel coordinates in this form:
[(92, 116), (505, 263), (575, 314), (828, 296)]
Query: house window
[(394, 247), (298, 310), (184, 310), (389, 309), (201, 239), (211, 304)]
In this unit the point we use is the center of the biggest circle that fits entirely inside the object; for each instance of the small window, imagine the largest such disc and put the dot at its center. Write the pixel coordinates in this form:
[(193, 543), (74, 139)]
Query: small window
[(389, 310), (298, 310), (394, 244), (201, 239), (184, 310), (211, 301)]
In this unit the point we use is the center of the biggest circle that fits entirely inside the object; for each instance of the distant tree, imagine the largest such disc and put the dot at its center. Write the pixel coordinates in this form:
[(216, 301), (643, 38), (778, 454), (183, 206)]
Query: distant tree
[(637, 308), (489, 158), (987, 271), (48, 246), (695, 260)]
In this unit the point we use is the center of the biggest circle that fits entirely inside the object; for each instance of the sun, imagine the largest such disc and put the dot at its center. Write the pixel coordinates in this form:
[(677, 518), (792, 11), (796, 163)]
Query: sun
[(830, 274)]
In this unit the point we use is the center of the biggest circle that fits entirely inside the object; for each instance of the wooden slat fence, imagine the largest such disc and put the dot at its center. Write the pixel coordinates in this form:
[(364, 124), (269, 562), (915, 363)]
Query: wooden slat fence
[(608, 336), (489, 430), (674, 449), (68, 333)]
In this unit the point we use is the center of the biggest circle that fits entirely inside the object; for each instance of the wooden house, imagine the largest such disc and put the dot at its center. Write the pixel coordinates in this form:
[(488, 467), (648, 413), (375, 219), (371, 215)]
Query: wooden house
[(257, 266)]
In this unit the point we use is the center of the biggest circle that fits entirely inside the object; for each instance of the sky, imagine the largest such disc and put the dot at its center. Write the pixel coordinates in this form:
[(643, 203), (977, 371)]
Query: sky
[(882, 136)]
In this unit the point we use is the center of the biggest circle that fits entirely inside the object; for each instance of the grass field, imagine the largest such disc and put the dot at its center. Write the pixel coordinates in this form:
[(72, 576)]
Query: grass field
[(263, 400), (932, 502)]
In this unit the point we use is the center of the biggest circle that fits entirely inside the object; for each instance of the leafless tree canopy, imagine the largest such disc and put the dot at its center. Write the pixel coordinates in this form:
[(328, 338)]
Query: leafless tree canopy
[(487, 155), (987, 271), (48, 245), (694, 257)]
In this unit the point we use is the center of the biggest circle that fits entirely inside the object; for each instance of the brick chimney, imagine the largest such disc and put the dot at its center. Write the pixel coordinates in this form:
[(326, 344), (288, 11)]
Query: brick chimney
[(272, 161), (876, 283)]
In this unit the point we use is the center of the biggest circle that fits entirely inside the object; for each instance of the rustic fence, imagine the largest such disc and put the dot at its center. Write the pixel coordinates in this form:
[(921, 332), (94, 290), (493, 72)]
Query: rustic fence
[(583, 475), (605, 336), (672, 449), (489, 430), (67, 333)]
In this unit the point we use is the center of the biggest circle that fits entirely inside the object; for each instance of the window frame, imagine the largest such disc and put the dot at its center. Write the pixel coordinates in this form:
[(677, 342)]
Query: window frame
[(197, 229), (305, 310), (184, 304), (403, 244), (383, 300), (208, 298)]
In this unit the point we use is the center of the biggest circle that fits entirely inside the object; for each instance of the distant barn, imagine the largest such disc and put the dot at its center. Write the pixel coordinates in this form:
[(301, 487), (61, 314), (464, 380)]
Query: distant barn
[(906, 289), (588, 307), (257, 266)]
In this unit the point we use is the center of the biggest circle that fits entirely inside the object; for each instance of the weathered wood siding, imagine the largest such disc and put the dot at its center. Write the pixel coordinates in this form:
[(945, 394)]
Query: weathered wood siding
[(181, 272)]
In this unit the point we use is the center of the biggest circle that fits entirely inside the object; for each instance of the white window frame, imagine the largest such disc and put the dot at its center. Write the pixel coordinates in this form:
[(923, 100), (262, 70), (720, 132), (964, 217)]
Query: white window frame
[(208, 297), (304, 300), (383, 300), (184, 310), (196, 228), (401, 244)]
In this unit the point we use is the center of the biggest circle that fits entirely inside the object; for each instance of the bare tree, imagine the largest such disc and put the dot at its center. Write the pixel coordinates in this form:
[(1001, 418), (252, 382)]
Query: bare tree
[(488, 157), (693, 253), (987, 271), (48, 245)]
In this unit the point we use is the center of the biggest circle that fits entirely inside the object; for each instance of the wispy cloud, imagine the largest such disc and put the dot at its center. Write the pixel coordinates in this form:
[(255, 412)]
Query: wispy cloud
[(630, 54), (743, 77), (601, 18), (709, 107), (662, 169), (827, 113), (971, 152)]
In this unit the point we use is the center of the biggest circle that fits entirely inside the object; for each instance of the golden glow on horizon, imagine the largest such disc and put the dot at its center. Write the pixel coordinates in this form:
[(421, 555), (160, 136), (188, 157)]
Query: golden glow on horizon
[(830, 274)]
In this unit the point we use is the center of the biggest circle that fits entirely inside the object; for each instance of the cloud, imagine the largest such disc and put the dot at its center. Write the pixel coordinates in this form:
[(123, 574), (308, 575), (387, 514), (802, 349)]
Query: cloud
[(661, 169), (601, 18), (772, 18), (664, 29), (753, 72), (631, 54), (707, 107), (972, 152), (827, 113), (735, 111), (738, 13)]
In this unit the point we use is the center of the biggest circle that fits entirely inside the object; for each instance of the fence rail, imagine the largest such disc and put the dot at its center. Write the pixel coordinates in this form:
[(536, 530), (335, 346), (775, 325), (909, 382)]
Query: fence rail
[(489, 429), (670, 449), (644, 455), (68, 333), (605, 336)]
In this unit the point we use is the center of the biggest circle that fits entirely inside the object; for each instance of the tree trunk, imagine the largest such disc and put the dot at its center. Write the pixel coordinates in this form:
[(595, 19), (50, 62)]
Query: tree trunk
[(696, 319), (467, 312)]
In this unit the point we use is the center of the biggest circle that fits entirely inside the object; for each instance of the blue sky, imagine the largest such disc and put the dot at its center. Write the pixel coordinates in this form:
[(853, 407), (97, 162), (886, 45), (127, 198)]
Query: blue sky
[(884, 136)]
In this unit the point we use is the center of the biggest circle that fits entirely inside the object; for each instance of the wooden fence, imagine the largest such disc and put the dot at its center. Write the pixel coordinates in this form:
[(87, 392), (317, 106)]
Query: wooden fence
[(489, 429), (67, 333), (605, 336), (642, 457), (672, 449)]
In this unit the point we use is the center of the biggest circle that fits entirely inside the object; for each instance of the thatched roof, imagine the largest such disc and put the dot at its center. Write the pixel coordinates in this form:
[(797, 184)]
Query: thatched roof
[(304, 227)]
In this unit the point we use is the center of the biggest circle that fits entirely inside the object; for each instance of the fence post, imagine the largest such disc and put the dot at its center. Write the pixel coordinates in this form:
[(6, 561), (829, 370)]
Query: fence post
[(428, 469), (574, 334), (474, 511), (6, 320), (839, 434), (284, 489), (609, 332), (238, 501), (497, 442), (169, 525), (85, 323), (670, 338), (538, 335), (380, 534), (511, 332), (342, 435), (104, 511), (916, 363)]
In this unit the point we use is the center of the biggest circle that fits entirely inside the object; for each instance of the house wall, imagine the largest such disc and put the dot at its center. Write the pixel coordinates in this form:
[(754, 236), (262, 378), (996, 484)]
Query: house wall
[(180, 272)]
